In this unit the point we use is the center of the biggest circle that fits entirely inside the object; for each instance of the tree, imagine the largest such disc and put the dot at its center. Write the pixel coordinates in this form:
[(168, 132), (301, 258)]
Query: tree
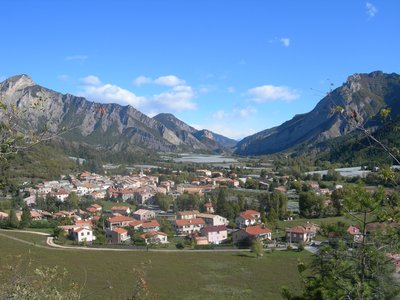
[(16, 133), (364, 272), (273, 218), (310, 204), (25, 217), (12, 219), (163, 201), (73, 200), (257, 248)]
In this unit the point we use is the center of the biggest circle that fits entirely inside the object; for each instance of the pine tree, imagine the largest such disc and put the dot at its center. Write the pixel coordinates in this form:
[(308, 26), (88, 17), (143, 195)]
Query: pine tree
[(25, 217), (12, 219)]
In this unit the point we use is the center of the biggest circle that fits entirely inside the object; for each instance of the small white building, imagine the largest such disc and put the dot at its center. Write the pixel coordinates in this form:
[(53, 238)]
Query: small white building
[(155, 237), (82, 234)]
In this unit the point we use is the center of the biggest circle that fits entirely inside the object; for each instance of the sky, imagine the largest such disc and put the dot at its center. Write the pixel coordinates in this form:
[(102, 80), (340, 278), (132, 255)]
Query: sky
[(233, 67)]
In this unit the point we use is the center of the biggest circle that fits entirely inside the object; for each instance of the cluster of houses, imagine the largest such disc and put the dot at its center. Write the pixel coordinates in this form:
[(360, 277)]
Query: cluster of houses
[(139, 188)]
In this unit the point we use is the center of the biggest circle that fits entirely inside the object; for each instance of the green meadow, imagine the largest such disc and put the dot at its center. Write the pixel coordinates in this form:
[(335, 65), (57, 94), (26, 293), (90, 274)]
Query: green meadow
[(170, 275)]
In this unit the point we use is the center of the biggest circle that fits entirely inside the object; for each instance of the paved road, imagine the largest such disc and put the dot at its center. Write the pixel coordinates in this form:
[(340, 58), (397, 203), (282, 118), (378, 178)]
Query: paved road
[(50, 243)]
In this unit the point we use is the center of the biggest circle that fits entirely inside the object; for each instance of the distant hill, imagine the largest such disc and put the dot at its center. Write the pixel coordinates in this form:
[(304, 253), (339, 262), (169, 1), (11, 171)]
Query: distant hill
[(363, 95), (104, 127), (200, 139)]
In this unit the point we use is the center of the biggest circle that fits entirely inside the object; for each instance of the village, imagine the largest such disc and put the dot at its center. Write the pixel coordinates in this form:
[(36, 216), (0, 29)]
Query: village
[(132, 216)]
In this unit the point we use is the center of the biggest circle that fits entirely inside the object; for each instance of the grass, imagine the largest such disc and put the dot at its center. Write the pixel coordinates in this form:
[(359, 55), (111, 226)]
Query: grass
[(181, 275)]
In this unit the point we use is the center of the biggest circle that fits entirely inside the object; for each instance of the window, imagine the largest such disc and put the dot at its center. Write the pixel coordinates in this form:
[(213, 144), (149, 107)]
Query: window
[(82, 233)]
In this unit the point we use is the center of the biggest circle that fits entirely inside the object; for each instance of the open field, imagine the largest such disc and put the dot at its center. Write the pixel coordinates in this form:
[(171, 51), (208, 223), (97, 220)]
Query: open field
[(182, 275)]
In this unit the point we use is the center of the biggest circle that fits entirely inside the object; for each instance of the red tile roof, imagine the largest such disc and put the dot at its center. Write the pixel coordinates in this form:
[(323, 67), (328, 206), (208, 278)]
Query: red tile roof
[(120, 208), (120, 219), (83, 222), (250, 214), (353, 230), (186, 222), (152, 233), (135, 223), (257, 230), (297, 229), (120, 230), (151, 223)]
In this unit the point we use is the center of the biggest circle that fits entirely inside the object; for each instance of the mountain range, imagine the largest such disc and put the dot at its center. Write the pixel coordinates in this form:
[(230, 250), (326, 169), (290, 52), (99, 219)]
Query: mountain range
[(112, 127), (362, 96), (106, 126)]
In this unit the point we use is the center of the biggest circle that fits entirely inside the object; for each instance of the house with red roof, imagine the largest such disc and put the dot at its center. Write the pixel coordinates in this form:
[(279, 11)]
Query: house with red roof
[(144, 214), (355, 233), (123, 210), (187, 214), (117, 235), (82, 234), (119, 221), (188, 226), (155, 237), (251, 233), (248, 218), (302, 233), (151, 225), (215, 234)]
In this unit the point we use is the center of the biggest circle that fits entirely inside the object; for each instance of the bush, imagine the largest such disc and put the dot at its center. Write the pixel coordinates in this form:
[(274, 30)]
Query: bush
[(41, 224), (180, 246), (301, 246)]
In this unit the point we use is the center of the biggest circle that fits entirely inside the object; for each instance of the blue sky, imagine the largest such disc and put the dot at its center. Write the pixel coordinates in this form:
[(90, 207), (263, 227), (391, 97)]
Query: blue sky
[(234, 67)]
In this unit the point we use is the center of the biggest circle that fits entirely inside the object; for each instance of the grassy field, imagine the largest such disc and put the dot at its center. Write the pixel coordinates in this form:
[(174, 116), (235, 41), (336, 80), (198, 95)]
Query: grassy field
[(182, 275)]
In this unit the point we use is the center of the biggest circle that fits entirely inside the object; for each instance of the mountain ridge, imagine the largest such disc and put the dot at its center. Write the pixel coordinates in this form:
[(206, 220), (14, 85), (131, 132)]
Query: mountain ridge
[(102, 126), (362, 94)]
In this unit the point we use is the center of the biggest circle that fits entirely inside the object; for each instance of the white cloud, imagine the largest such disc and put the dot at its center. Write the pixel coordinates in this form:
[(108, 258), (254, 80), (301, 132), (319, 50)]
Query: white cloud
[(285, 42), (179, 98), (142, 80), (63, 77), (95, 90), (175, 99), (80, 58), (231, 89), (91, 80), (234, 114), (2, 78), (266, 93), (220, 114), (245, 112), (170, 80), (371, 9)]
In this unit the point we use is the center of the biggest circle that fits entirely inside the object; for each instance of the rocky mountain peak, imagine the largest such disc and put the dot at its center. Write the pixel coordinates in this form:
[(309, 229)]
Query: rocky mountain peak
[(17, 82)]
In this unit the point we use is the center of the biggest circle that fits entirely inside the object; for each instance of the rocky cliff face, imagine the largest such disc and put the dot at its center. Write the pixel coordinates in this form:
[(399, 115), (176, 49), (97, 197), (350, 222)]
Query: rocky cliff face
[(362, 94), (103, 126), (198, 139)]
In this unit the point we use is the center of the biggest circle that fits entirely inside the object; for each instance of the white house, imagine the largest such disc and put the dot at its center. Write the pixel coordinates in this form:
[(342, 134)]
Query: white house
[(144, 214), (188, 226), (82, 234), (155, 237), (213, 220), (215, 234), (247, 218), (260, 232)]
